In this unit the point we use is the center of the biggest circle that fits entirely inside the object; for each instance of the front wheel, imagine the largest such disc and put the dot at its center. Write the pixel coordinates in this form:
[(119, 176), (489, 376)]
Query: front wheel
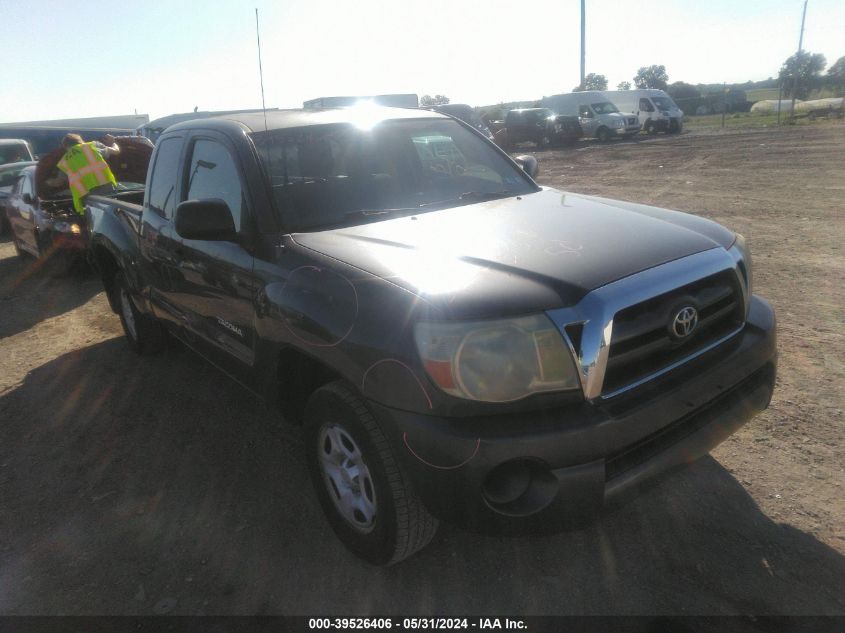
[(144, 333), (364, 492), (603, 134)]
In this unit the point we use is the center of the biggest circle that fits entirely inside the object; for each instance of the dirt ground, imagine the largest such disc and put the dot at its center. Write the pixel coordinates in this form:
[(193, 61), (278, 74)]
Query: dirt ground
[(157, 485)]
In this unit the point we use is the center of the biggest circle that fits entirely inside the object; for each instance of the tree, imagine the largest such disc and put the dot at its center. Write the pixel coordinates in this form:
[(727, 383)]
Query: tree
[(683, 90), (652, 77), (836, 74), (801, 73), (592, 82), (428, 100), (623, 85)]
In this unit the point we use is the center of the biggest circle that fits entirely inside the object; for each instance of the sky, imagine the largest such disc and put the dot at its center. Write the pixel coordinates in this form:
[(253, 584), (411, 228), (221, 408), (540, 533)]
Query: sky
[(63, 59)]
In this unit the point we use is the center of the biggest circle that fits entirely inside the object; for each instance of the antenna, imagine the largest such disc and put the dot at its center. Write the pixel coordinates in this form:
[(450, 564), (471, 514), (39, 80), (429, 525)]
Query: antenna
[(260, 71)]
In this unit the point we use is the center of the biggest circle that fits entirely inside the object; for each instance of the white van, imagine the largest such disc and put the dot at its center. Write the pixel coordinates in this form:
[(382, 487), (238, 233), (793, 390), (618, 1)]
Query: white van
[(599, 117), (656, 110)]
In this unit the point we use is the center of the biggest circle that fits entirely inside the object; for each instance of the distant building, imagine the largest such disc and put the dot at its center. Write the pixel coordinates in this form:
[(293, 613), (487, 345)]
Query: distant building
[(122, 122), (395, 101)]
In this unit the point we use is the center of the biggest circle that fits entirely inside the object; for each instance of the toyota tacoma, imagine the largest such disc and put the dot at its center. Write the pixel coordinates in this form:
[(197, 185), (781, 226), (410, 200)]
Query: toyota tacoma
[(459, 343)]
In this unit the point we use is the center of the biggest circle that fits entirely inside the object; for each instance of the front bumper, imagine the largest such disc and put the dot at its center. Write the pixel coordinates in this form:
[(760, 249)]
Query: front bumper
[(550, 468), (627, 131)]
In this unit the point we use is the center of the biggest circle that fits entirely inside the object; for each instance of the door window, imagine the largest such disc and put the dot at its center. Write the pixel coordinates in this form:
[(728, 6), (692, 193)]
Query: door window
[(213, 174), (585, 112), (645, 105), (162, 196), (26, 186)]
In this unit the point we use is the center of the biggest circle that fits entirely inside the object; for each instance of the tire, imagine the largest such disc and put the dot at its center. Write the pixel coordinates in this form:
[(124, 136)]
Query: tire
[(603, 134), (365, 494), (650, 128), (144, 334)]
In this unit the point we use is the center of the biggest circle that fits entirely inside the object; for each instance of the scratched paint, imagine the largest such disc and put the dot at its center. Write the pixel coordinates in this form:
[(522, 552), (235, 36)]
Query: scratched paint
[(441, 467), (317, 305), (393, 382)]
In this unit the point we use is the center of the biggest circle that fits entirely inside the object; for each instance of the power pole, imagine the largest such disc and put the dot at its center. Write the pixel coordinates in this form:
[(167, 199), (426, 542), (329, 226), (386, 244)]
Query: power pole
[(798, 58), (583, 42)]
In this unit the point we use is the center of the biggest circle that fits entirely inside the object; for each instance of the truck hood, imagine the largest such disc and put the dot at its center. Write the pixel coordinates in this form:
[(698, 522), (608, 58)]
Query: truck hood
[(518, 255), (128, 166)]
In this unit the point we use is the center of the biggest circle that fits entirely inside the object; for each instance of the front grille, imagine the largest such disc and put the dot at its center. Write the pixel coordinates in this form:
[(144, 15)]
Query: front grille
[(641, 343), (632, 120)]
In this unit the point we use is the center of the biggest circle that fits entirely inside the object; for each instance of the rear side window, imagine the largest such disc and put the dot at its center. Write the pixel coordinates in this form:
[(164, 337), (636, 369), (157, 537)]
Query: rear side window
[(162, 196), (26, 186), (213, 174)]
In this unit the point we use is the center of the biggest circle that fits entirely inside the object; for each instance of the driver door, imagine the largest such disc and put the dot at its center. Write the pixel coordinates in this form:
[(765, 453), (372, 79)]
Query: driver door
[(217, 282)]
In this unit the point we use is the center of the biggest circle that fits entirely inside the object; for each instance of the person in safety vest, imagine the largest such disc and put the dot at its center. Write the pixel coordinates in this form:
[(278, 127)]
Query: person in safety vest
[(86, 168)]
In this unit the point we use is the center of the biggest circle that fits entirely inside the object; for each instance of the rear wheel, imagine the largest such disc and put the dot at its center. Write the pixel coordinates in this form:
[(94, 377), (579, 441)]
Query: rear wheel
[(362, 488), (144, 333)]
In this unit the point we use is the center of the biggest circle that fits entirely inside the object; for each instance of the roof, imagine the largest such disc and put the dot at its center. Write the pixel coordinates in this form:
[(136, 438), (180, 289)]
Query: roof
[(282, 119)]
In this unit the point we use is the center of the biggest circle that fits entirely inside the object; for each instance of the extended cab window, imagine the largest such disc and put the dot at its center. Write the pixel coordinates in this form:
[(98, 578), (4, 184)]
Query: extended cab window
[(162, 196), (338, 174), (26, 186), (213, 174)]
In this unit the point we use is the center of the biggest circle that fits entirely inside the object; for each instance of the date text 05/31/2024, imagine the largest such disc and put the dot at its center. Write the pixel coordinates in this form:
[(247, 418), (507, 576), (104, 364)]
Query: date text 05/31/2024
[(412, 624)]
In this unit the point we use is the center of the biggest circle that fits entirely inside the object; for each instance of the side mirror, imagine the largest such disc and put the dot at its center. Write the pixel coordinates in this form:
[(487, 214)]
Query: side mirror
[(528, 164), (27, 198), (209, 219)]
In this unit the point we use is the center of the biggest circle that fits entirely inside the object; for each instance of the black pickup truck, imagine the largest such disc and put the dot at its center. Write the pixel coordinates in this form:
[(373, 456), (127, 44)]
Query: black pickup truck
[(459, 342)]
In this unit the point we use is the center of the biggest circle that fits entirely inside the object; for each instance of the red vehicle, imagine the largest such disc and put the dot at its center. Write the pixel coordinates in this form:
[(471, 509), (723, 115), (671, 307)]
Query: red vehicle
[(41, 215)]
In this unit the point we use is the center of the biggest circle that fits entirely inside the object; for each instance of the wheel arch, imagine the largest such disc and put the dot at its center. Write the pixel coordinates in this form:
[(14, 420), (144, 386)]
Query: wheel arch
[(106, 264), (298, 375)]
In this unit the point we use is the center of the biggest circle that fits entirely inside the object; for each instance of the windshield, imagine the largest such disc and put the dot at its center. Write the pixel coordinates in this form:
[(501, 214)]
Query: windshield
[(332, 175), (605, 107), (13, 153), (663, 103)]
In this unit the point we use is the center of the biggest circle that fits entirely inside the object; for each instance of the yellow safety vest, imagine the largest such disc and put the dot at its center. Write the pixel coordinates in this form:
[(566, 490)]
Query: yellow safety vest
[(85, 168)]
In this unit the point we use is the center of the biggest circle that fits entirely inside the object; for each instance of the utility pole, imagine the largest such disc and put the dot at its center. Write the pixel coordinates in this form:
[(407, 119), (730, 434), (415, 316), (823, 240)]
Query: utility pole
[(798, 58), (583, 42)]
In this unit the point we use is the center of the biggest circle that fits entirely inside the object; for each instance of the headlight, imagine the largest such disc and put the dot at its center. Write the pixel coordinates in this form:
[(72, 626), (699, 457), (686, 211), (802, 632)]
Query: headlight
[(67, 227), (741, 253), (496, 361)]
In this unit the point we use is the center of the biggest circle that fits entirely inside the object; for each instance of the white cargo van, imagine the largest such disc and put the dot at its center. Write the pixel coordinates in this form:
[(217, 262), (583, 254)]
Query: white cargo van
[(655, 109), (599, 117)]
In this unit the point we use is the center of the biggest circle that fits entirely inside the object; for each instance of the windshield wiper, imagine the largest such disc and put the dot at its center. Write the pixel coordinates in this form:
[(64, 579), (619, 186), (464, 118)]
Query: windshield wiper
[(367, 213), (484, 195)]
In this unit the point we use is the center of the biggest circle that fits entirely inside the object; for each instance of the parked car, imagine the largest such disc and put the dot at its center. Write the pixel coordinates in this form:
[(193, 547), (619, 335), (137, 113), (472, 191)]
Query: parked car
[(540, 126), (655, 109), (43, 221), (466, 114), (9, 174), (14, 150), (460, 344), (598, 117)]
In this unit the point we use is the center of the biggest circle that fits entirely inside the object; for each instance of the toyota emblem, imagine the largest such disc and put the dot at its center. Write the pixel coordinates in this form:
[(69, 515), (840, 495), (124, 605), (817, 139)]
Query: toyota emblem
[(684, 322)]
